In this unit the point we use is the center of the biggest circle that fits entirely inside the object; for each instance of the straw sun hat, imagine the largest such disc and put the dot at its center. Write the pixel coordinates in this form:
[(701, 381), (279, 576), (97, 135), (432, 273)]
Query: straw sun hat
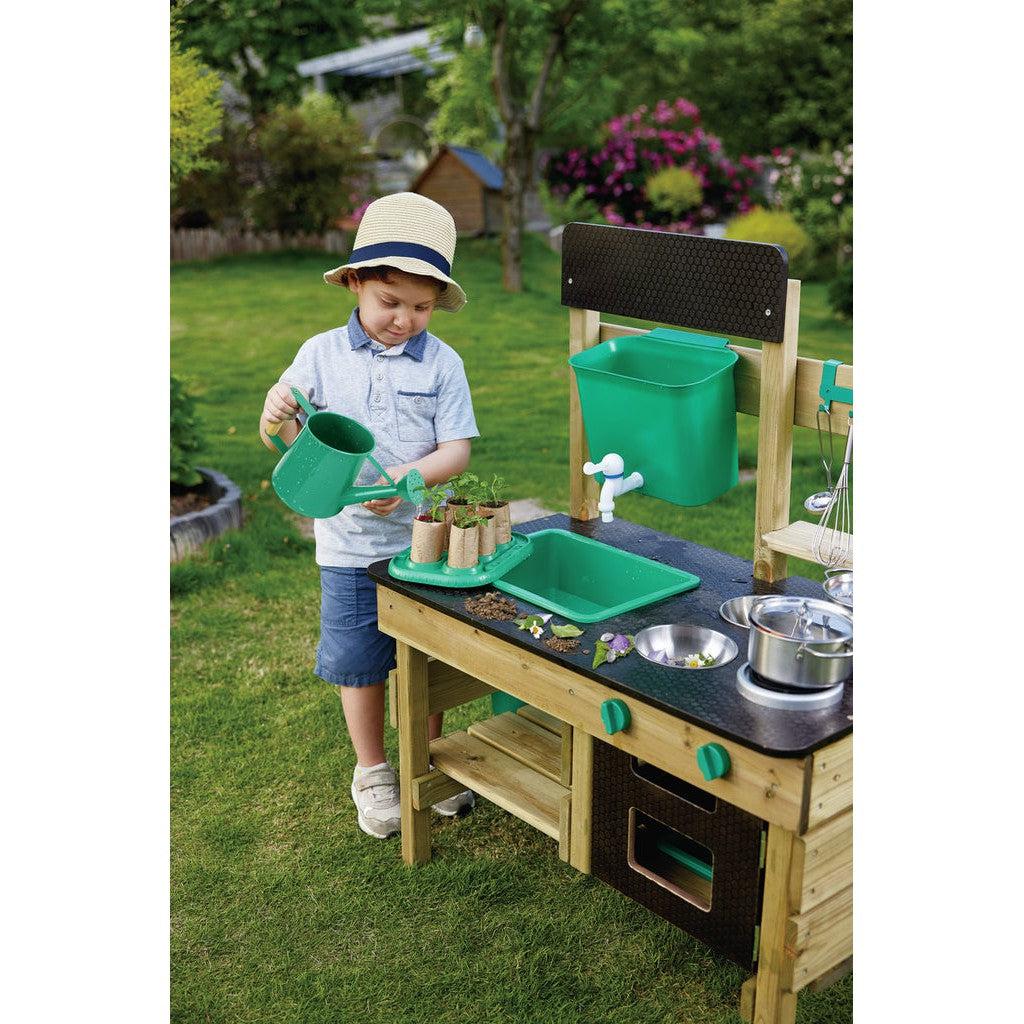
[(408, 232)]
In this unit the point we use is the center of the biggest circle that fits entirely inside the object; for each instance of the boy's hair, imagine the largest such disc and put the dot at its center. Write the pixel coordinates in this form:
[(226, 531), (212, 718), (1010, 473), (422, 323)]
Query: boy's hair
[(383, 273)]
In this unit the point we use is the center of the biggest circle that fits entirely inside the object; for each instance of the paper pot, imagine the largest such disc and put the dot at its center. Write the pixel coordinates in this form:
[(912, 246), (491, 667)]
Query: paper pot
[(487, 535), (502, 521), (463, 547), (427, 540)]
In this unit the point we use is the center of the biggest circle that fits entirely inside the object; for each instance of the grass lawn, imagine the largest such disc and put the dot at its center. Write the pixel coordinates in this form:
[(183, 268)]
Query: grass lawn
[(282, 910)]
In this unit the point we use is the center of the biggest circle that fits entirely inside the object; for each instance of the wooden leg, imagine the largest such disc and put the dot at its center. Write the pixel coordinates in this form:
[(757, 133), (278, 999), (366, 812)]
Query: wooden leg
[(747, 992), (775, 1000), (413, 750), (582, 800)]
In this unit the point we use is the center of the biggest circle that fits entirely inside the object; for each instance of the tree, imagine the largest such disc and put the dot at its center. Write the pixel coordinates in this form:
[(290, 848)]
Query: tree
[(257, 43), (195, 112), (772, 73), (312, 165)]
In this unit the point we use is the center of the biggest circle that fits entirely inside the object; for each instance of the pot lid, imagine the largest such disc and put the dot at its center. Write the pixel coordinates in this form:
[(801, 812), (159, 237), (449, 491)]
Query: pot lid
[(802, 618)]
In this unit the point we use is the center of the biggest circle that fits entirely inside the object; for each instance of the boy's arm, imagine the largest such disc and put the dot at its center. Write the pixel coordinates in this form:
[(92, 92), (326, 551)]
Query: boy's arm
[(448, 459)]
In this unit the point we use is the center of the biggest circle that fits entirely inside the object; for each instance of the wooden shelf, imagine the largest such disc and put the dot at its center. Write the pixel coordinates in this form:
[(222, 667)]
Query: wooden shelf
[(797, 540), (541, 718), (502, 779), (530, 744)]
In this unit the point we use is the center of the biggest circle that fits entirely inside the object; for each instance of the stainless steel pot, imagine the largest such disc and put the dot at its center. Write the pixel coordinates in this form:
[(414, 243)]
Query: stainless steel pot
[(800, 642)]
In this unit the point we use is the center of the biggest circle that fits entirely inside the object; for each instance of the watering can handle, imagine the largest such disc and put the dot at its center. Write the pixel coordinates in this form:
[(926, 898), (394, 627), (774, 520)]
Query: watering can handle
[(273, 428)]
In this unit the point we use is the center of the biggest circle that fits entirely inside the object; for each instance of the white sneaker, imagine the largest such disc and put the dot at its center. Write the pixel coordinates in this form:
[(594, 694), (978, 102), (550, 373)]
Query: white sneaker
[(457, 806), (375, 795)]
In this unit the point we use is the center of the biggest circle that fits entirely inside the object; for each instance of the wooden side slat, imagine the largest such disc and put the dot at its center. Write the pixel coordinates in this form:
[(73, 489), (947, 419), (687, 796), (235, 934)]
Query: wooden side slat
[(831, 790), (521, 739), (834, 876), (808, 926), (501, 779), (428, 789), (393, 698), (823, 938), (797, 539), (565, 827), (449, 687), (581, 816), (747, 991), (819, 853), (747, 375), (770, 787), (541, 718), (584, 493), (775, 999), (775, 441), (832, 975), (562, 729), (412, 749)]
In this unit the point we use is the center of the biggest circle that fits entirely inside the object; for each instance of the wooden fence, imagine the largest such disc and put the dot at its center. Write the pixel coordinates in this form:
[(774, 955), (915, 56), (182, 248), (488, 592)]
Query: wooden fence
[(206, 243)]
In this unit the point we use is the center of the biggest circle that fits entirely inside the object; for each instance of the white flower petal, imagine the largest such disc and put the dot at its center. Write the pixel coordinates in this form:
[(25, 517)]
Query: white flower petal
[(607, 636)]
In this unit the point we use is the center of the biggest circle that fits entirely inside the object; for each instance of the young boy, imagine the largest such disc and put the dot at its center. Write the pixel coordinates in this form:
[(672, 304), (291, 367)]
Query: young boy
[(409, 389)]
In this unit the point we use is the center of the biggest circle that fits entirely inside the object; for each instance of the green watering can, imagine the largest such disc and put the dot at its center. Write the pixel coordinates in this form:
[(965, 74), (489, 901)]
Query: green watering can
[(316, 474)]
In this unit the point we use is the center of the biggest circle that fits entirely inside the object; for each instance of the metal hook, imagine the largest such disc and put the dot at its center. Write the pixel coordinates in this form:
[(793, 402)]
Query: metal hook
[(830, 461)]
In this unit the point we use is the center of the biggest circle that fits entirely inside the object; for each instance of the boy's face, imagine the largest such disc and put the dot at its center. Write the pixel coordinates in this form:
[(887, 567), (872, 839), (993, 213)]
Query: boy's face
[(391, 312)]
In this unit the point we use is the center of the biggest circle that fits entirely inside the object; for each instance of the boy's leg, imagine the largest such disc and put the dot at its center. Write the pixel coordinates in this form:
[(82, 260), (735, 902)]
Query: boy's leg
[(364, 716)]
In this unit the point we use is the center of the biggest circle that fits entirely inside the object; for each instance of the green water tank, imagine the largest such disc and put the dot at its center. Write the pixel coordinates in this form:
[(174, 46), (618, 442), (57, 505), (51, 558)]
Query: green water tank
[(666, 402)]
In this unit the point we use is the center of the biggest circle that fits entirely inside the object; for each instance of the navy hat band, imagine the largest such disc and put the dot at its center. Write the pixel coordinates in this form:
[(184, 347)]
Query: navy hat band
[(410, 249)]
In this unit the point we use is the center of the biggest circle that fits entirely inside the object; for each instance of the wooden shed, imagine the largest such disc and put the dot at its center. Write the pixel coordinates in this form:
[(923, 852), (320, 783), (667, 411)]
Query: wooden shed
[(466, 184)]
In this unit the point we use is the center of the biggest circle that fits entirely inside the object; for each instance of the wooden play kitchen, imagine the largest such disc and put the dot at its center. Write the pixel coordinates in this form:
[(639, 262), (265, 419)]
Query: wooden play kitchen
[(719, 801)]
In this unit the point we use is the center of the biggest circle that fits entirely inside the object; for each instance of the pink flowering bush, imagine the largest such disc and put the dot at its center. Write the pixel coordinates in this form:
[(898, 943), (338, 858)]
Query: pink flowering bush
[(638, 145), (817, 189)]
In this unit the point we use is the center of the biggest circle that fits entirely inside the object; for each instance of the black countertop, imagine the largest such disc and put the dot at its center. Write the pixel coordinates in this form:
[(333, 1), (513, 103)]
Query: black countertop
[(708, 698)]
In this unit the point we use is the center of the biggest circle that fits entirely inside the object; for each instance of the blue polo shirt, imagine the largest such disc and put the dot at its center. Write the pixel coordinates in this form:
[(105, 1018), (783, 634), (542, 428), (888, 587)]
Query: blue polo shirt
[(411, 397)]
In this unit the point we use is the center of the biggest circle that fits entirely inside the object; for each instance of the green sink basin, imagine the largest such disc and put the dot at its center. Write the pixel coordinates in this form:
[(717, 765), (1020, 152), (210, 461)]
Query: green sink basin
[(586, 581)]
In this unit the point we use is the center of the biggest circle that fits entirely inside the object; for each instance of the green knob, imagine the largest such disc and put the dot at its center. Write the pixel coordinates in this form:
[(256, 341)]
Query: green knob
[(713, 761), (615, 716)]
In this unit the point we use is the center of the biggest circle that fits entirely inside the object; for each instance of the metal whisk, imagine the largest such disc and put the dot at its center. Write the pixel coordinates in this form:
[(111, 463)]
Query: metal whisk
[(831, 545)]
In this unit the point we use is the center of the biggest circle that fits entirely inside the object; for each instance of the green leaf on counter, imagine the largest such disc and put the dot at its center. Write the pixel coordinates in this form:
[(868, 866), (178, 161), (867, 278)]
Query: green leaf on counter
[(568, 630), (600, 653), (529, 621)]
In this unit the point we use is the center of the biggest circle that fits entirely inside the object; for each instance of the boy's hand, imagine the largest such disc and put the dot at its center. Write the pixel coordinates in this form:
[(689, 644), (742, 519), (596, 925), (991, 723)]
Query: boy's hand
[(385, 506), (280, 404)]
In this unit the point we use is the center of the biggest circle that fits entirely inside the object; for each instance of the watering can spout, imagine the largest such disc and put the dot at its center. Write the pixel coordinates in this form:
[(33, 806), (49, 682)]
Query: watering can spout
[(408, 488)]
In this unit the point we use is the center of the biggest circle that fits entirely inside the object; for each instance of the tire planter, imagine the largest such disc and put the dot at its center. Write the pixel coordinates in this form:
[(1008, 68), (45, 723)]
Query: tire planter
[(192, 530)]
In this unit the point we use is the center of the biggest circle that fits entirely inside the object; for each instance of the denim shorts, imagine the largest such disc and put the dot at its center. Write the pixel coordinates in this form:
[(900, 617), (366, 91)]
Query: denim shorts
[(352, 651)]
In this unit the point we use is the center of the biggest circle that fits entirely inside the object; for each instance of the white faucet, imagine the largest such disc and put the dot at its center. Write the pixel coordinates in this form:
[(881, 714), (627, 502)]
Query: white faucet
[(612, 466)]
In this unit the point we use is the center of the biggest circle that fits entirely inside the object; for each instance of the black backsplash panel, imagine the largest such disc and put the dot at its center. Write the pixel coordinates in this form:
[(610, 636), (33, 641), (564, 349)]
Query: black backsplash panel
[(709, 284)]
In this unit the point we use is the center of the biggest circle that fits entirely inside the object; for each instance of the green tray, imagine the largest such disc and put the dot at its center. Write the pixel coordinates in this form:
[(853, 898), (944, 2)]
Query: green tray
[(587, 581), (438, 574)]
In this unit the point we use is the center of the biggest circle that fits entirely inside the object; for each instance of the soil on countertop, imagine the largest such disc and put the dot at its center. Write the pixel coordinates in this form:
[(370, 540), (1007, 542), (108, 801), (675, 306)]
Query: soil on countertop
[(563, 644), (492, 605)]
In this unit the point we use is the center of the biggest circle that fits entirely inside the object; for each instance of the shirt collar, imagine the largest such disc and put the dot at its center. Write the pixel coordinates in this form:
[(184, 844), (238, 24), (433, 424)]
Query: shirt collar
[(357, 338)]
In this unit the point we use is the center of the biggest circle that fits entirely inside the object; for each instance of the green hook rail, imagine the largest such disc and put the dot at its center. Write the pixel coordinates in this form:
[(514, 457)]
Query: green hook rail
[(829, 391)]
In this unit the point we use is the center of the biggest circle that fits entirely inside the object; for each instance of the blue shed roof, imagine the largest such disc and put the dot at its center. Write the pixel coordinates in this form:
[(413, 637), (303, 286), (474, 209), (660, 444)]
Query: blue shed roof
[(487, 172)]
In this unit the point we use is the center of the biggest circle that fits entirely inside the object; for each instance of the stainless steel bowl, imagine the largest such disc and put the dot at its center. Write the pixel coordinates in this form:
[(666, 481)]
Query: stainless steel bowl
[(669, 645), (737, 609), (838, 587)]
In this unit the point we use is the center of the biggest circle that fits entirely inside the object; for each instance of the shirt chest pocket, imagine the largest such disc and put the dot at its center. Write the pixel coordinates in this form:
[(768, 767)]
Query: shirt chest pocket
[(416, 412)]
